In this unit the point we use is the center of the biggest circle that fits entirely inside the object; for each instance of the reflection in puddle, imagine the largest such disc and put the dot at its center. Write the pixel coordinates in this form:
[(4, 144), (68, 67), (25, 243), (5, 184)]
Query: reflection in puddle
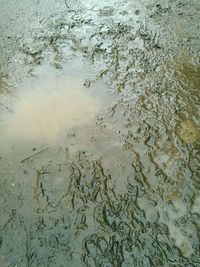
[(45, 113)]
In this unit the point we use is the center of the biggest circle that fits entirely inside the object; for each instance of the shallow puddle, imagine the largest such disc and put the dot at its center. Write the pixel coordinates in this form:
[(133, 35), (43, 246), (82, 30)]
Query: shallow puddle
[(47, 106)]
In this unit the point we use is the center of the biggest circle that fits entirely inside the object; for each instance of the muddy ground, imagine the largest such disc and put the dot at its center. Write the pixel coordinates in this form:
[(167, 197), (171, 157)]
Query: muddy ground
[(99, 133)]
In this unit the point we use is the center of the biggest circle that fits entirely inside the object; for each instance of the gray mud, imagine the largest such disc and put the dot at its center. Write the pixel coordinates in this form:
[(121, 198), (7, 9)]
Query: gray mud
[(99, 133)]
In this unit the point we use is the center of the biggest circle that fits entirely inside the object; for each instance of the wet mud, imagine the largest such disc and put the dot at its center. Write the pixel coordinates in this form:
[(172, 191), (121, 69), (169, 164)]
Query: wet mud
[(99, 133)]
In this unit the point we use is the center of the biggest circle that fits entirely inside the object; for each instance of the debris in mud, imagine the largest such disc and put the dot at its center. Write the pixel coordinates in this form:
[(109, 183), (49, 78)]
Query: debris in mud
[(33, 155)]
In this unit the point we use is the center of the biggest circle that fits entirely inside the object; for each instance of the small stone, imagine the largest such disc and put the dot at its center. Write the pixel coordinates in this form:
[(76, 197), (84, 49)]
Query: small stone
[(87, 83), (25, 172)]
